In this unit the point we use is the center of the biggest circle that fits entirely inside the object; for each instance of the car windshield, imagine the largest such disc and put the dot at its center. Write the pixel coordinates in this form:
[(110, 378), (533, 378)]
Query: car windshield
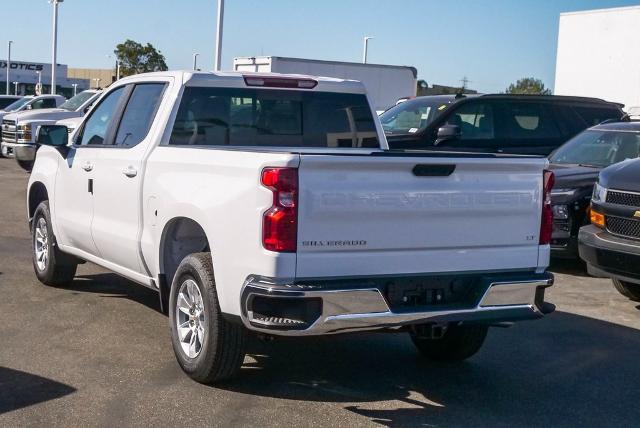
[(598, 148), (16, 105), (74, 103), (414, 115)]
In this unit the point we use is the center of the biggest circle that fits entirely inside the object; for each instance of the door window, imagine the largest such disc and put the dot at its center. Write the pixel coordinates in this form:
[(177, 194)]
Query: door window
[(529, 120), (139, 114), (568, 121), (96, 127), (43, 103), (475, 121)]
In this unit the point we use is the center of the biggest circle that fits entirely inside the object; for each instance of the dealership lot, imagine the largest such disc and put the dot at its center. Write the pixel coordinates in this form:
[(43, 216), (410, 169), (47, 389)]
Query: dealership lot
[(97, 353)]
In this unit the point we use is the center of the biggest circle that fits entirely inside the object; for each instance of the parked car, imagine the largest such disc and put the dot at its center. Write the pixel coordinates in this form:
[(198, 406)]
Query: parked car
[(30, 103), (19, 128), (518, 124), (576, 165), (6, 100), (611, 243), (270, 203)]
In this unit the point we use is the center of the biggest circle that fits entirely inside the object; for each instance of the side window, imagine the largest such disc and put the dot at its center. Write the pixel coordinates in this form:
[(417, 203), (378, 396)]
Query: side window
[(568, 121), (596, 115), (96, 127), (139, 114), (475, 121), (43, 103), (528, 120)]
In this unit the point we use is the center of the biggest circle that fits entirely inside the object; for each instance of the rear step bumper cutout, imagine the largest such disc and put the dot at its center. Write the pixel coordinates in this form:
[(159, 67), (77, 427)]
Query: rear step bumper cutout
[(289, 309)]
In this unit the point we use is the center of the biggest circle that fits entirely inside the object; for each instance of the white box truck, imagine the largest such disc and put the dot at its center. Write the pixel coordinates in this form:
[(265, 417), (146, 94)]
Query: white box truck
[(385, 84), (597, 56)]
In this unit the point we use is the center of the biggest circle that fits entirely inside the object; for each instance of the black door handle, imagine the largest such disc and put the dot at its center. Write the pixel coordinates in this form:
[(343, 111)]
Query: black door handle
[(90, 186), (433, 170)]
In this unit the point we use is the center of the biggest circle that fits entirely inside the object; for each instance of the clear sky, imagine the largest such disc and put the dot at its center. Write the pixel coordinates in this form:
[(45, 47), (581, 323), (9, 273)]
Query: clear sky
[(492, 42)]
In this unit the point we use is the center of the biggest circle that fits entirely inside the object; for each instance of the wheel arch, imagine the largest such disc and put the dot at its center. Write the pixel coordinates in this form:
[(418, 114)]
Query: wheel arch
[(37, 194), (180, 237)]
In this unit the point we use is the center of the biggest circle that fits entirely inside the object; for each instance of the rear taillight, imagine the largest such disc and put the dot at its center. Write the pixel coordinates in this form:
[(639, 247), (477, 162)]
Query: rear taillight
[(280, 222), (546, 226)]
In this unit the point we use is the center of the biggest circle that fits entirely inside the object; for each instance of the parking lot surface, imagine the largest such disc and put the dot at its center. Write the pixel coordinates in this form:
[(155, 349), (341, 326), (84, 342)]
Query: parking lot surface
[(97, 353)]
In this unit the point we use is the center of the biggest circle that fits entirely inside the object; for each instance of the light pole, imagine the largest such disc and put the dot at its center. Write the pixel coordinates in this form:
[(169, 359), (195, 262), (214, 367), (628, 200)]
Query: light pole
[(219, 36), (195, 61), (366, 48), (39, 85), (75, 88), (54, 45), (9, 64), (117, 66), (15, 88)]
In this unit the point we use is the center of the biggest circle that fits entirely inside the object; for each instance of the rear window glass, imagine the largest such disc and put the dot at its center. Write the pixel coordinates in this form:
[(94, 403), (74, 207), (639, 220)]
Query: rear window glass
[(596, 115), (273, 118)]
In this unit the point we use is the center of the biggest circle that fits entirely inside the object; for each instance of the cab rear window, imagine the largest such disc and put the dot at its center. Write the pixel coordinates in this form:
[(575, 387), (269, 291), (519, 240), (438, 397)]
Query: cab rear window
[(273, 118)]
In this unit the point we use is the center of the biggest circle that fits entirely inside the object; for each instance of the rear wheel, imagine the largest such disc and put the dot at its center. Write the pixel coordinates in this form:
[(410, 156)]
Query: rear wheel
[(207, 346), (458, 343), (627, 289), (51, 265)]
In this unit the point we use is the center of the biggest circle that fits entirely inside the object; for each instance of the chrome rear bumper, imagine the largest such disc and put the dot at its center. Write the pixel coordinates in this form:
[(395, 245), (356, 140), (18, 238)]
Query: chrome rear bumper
[(359, 309)]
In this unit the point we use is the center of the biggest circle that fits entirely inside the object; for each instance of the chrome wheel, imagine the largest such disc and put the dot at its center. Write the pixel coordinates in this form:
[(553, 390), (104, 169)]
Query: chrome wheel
[(191, 319), (41, 244)]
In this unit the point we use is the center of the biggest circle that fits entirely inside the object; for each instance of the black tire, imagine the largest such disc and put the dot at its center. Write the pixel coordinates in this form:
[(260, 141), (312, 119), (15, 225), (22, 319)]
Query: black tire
[(627, 289), (26, 165), (59, 268), (222, 350), (458, 343)]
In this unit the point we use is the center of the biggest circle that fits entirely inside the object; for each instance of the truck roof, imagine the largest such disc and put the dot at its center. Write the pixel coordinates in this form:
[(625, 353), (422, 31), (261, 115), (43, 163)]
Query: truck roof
[(236, 79)]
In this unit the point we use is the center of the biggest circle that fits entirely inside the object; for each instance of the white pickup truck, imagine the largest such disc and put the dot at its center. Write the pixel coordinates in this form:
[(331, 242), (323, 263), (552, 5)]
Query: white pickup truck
[(18, 129), (270, 203)]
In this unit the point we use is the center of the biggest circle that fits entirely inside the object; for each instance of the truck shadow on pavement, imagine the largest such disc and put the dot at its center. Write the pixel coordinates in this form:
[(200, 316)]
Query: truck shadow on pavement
[(114, 286), (563, 370), (19, 389)]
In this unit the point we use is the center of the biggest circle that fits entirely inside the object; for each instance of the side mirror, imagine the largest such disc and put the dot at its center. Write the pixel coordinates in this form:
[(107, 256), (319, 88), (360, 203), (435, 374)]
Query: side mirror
[(448, 132), (55, 136)]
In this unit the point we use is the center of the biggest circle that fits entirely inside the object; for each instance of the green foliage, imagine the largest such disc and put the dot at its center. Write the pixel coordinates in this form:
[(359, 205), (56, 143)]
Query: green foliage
[(135, 58), (528, 86)]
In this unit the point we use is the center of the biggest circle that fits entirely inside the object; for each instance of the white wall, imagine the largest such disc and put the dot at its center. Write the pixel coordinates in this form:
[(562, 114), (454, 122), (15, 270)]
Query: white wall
[(598, 55)]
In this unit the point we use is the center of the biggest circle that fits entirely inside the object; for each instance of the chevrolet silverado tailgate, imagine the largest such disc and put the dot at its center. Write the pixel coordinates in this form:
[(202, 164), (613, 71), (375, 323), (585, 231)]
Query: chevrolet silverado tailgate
[(389, 214)]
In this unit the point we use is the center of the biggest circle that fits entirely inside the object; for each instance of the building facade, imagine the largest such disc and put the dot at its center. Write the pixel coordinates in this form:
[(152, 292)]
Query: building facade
[(24, 78)]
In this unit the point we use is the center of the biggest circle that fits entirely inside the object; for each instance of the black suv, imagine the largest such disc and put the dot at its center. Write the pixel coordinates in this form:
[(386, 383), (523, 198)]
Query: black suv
[(514, 124), (611, 244), (576, 165)]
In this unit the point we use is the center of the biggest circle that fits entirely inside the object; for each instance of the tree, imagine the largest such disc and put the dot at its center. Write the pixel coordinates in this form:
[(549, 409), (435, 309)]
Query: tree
[(528, 86), (135, 58)]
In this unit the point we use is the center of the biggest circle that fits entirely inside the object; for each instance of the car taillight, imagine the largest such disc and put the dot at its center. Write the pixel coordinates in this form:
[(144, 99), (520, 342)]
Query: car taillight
[(280, 222), (546, 226)]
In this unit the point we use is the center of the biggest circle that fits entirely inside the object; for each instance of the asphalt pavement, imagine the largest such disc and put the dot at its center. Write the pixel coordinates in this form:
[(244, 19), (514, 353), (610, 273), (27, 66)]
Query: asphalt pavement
[(97, 353)]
